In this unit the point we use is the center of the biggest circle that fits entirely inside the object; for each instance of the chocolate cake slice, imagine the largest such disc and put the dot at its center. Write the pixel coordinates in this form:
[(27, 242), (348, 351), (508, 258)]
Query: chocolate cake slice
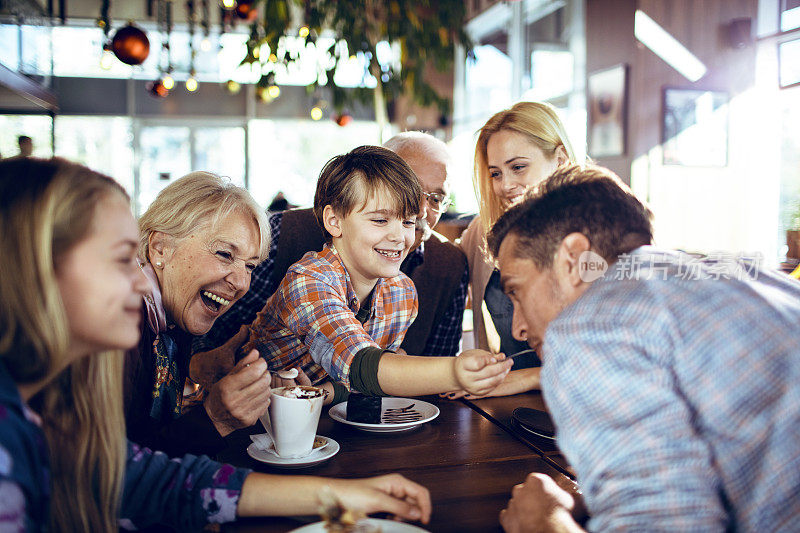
[(364, 409)]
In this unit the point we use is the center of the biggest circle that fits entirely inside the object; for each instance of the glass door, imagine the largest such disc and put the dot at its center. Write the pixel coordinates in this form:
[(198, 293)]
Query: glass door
[(166, 155), (220, 150), (168, 152)]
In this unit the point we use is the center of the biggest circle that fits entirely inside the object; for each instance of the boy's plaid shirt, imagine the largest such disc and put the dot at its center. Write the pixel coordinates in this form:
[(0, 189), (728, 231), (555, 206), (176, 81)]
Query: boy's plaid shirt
[(311, 321)]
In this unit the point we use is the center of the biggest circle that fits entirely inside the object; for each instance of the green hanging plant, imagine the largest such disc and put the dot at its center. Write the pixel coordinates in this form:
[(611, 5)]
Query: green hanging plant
[(427, 32)]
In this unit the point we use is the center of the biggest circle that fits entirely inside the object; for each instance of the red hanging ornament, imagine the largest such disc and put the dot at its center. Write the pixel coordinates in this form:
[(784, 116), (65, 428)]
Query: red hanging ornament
[(130, 45), (157, 89), (246, 10), (344, 119)]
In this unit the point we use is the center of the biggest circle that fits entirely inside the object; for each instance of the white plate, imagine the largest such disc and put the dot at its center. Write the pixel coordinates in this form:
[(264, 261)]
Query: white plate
[(426, 410), (386, 526), (314, 458)]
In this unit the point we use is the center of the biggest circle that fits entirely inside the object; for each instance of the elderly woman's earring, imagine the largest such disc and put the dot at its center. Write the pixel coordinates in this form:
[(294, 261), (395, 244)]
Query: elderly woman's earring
[(159, 264)]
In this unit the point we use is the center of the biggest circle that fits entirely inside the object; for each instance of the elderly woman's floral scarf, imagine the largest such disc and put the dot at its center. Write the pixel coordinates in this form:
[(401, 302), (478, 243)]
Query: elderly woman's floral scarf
[(167, 381)]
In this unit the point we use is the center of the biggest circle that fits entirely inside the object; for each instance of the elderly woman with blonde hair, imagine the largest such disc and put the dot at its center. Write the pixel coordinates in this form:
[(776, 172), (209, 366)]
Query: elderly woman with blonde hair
[(200, 240)]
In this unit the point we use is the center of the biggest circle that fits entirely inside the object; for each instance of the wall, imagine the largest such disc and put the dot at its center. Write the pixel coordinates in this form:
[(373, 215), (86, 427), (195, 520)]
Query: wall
[(730, 208), (98, 96)]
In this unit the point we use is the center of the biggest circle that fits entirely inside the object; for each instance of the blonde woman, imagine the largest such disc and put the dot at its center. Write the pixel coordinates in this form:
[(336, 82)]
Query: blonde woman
[(70, 300), (516, 149)]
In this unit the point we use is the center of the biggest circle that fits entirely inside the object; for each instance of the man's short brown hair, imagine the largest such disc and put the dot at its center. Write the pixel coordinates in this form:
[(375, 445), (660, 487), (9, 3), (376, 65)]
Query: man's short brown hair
[(590, 200), (348, 181)]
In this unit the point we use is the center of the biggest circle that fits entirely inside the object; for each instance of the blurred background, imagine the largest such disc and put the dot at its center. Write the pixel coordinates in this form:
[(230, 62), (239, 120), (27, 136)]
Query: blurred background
[(694, 103)]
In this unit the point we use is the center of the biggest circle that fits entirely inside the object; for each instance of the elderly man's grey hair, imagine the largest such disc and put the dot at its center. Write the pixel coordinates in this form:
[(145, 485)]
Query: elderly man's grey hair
[(420, 143)]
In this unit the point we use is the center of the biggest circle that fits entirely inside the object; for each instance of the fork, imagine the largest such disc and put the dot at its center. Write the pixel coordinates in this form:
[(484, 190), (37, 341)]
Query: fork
[(523, 352)]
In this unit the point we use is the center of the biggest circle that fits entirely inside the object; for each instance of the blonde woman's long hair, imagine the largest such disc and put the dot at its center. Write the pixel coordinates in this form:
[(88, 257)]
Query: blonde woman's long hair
[(540, 123), (46, 208)]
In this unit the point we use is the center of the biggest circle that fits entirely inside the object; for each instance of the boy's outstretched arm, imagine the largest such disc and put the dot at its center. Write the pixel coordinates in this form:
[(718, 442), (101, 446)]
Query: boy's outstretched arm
[(476, 371)]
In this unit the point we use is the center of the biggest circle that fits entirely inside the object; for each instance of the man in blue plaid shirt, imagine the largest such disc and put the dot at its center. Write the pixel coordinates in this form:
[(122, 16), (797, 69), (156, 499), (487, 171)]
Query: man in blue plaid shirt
[(437, 267), (673, 381)]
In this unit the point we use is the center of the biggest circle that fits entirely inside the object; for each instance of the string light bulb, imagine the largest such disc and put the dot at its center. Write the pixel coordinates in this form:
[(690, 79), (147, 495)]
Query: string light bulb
[(191, 84), (274, 91), (228, 4), (205, 44), (303, 32), (107, 59), (168, 82), (316, 113), (233, 86)]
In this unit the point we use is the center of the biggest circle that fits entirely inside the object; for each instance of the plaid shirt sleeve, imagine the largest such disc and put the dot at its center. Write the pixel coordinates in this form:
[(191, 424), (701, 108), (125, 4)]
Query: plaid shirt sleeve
[(262, 285), (314, 319), (445, 336)]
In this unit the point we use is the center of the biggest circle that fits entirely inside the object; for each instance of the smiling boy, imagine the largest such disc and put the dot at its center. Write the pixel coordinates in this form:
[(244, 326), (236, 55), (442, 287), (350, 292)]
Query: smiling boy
[(342, 312)]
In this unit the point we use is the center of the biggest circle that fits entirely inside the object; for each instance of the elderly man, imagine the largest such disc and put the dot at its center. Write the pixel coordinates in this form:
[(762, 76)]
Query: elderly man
[(673, 381), (437, 267)]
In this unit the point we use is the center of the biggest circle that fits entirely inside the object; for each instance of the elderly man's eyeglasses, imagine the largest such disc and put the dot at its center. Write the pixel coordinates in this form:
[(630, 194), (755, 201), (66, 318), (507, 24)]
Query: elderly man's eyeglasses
[(437, 201)]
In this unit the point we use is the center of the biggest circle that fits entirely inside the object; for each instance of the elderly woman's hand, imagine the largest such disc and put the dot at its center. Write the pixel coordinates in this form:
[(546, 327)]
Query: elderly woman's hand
[(240, 398), (206, 368)]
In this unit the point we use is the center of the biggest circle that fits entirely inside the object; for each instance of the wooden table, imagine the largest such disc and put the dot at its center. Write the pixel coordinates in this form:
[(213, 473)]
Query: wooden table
[(499, 411), (467, 457)]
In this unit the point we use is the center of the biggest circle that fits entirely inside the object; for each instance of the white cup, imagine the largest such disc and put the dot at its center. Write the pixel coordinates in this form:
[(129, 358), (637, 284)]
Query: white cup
[(292, 422)]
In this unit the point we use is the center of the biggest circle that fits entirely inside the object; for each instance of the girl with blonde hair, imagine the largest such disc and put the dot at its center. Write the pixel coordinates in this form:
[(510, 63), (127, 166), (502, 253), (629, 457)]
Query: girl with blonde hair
[(70, 301), (516, 149)]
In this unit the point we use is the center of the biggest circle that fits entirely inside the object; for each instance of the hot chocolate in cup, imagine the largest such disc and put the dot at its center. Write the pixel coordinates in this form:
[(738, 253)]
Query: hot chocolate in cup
[(292, 418), (300, 392)]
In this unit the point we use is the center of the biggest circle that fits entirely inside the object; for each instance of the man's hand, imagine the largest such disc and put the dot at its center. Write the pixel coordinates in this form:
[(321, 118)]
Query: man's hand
[(539, 506), (240, 398), (479, 372), (206, 368)]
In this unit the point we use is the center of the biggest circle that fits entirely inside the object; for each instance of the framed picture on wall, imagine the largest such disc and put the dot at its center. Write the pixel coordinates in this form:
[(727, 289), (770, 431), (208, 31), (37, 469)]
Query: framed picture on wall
[(607, 107), (695, 128)]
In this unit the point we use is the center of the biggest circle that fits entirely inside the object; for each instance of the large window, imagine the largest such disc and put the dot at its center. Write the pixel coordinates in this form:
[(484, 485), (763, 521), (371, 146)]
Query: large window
[(526, 50), (287, 155), (166, 155), (37, 127), (169, 151), (219, 60), (101, 143)]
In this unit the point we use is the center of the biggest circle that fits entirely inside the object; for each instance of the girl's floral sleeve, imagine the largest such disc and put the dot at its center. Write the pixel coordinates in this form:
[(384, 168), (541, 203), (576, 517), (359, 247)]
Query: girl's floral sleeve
[(185, 493)]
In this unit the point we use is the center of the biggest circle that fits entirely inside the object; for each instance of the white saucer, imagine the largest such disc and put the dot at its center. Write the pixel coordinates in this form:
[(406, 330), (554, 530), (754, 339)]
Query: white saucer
[(315, 457), (426, 411), (384, 526)]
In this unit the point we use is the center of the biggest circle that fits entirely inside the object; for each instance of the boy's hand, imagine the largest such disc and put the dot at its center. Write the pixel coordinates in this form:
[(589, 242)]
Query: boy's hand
[(478, 372), (516, 381), (300, 379)]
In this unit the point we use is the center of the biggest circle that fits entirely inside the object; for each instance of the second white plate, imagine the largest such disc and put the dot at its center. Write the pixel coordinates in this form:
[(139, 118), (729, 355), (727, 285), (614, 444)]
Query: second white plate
[(425, 410)]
